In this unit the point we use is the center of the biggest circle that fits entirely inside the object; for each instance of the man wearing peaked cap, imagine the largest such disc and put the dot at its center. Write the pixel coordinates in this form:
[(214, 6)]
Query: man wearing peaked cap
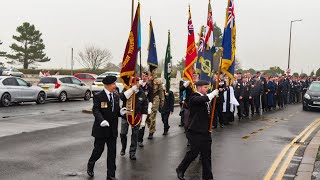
[(198, 130), (106, 110), (109, 80)]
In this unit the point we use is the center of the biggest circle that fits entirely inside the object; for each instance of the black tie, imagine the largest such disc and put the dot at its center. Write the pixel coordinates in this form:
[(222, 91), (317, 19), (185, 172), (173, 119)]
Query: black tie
[(111, 101)]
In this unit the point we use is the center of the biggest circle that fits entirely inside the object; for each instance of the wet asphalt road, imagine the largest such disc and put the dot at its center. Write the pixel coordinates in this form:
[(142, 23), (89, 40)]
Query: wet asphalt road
[(53, 141)]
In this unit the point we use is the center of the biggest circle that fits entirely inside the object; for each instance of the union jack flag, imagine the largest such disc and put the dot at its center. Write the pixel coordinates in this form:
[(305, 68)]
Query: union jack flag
[(231, 16), (201, 42), (190, 26)]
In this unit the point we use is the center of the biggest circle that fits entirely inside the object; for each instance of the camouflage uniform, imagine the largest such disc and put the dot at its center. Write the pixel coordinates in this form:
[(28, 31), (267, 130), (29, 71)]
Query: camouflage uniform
[(158, 99)]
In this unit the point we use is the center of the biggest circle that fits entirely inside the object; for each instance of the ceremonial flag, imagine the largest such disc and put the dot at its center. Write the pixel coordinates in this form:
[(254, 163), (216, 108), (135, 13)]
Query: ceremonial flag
[(167, 65), (201, 48), (191, 54), (229, 42), (209, 40), (152, 56), (130, 54)]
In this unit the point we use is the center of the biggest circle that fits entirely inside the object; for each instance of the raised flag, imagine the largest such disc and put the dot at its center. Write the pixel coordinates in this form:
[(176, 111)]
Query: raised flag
[(152, 56), (229, 42), (191, 54), (201, 48), (209, 40), (129, 60), (168, 65)]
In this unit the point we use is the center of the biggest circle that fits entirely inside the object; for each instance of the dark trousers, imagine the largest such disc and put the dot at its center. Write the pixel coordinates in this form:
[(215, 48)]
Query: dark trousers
[(165, 120), (200, 143), (218, 115), (134, 136), (240, 107), (264, 101), (251, 103), (257, 103), (245, 106), (111, 143)]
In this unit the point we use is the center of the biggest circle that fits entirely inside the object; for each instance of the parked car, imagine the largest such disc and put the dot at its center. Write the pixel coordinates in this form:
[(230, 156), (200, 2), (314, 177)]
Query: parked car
[(12, 72), (85, 76), (311, 98), (110, 73), (64, 88), (97, 86), (15, 90)]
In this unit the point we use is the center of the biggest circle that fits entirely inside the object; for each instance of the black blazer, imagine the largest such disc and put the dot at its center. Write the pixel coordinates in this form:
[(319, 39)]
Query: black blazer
[(104, 112), (199, 115)]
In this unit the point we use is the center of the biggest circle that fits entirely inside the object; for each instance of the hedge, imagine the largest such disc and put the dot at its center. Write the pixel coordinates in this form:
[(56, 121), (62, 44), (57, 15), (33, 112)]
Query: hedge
[(63, 71)]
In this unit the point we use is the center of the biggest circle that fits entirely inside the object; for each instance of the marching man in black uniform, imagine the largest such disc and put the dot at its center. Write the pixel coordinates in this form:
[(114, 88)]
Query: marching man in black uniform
[(141, 110), (198, 129), (106, 110)]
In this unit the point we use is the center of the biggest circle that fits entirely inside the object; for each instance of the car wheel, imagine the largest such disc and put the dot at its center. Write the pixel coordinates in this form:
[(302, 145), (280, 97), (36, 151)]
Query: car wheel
[(41, 99), (87, 96), (22, 76), (63, 97), (304, 108), (6, 100)]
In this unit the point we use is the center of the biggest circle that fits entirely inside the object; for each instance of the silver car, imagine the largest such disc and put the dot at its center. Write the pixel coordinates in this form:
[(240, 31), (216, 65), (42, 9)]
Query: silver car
[(64, 88), (12, 72), (15, 90), (97, 86)]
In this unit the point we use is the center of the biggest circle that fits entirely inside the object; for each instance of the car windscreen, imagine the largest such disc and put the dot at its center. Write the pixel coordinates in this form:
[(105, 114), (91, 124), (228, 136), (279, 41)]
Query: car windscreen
[(99, 79), (48, 80), (315, 87)]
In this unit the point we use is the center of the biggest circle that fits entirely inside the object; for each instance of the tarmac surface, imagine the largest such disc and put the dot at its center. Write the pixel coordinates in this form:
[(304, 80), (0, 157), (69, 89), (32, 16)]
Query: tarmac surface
[(52, 141)]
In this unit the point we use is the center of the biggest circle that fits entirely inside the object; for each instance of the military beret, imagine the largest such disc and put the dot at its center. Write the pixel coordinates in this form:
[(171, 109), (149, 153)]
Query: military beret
[(201, 83), (109, 80)]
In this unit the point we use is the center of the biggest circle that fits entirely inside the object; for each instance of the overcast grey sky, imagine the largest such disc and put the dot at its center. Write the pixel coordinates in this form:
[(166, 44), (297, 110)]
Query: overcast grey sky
[(262, 28)]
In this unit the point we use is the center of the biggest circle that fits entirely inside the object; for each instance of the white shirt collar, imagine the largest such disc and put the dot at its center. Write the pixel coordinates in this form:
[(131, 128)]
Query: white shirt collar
[(144, 84), (200, 93), (108, 93)]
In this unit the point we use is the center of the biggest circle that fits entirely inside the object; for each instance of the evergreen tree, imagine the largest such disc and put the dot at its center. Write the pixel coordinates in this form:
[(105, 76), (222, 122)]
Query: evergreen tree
[(29, 48)]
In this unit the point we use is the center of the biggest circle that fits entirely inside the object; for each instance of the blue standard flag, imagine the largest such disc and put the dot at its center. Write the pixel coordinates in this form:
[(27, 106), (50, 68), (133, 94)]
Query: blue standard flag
[(229, 42), (152, 56)]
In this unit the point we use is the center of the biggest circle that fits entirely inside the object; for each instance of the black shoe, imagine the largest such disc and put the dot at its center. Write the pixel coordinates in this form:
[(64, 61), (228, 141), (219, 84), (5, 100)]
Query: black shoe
[(150, 136), (165, 133), (180, 174), (90, 170), (140, 144), (133, 157), (122, 152), (221, 126)]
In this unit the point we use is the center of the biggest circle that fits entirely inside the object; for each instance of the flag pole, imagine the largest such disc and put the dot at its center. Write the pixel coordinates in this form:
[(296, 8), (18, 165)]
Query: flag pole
[(215, 98), (132, 8)]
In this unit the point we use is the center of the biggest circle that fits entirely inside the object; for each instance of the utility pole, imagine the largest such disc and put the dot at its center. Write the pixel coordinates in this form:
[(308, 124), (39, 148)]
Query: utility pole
[(72, 63), (290, 41)]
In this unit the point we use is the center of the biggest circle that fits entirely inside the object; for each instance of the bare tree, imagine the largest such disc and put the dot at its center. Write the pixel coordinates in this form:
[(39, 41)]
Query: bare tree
[(93, 57), (237, 64)]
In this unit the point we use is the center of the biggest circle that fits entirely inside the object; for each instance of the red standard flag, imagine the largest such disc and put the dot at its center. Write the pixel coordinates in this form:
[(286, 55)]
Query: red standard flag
[(130, 54), (191, 55)]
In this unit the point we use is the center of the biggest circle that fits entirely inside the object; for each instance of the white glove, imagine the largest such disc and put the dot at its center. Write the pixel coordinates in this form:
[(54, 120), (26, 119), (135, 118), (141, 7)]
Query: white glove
[(104, 123), (213, 94), (123, 111), (128, 93), (143, 120), (149, 107), (186, 84), (134, 88), (141, 82)]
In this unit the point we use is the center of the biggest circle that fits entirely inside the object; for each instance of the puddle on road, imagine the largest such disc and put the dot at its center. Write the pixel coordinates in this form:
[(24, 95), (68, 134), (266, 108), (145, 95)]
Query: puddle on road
[(246, 137), (254, 133), (260, 129), (72, 174)]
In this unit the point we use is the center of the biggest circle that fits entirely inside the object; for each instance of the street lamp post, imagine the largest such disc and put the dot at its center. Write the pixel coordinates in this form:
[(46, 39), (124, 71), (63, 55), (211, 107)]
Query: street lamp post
[(290, 40)]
